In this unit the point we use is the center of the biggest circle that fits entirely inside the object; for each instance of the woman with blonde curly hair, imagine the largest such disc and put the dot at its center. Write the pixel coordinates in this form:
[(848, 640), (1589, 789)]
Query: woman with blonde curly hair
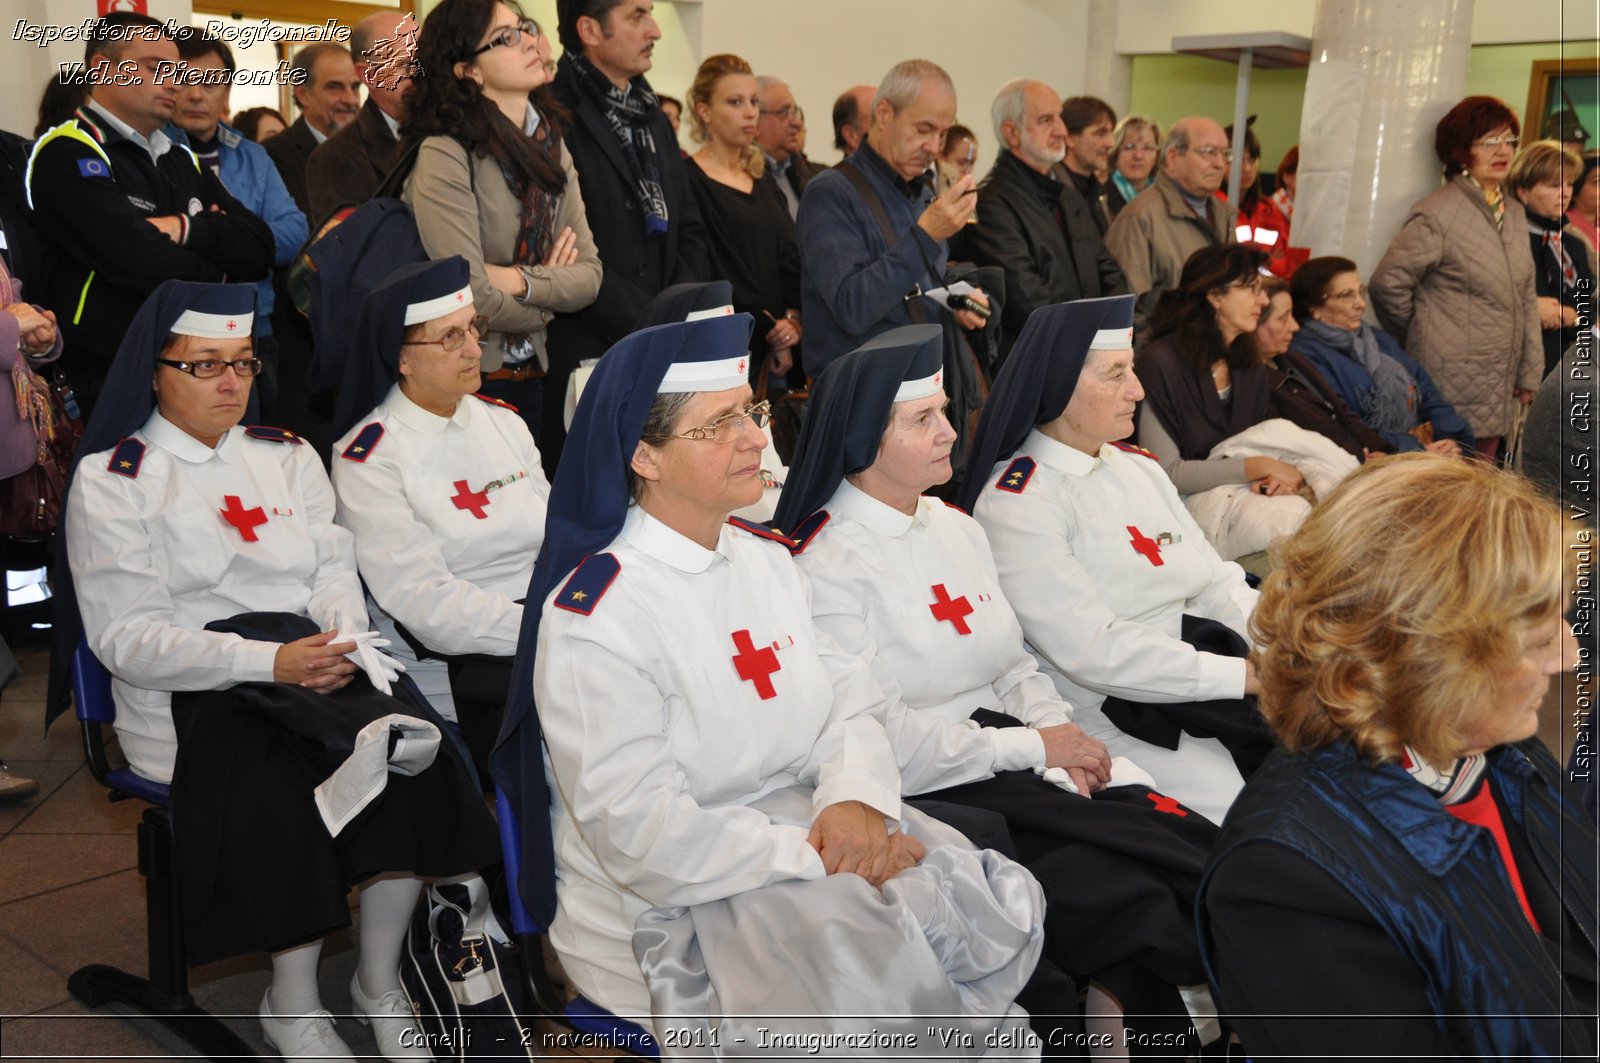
[(747, 220), (1412, 837)]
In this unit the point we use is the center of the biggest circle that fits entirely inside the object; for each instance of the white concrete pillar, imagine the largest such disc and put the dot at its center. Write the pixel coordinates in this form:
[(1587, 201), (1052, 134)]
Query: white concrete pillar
[(1383, 72), (1106, 73)]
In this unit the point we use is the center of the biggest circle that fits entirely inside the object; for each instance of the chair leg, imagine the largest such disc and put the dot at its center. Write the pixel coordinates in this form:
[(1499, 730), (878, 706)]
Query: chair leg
[(164, 996)]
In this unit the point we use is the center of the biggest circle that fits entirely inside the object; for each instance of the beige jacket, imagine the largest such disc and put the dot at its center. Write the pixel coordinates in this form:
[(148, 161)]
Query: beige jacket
[(474, 214), (1153, 236), (1458, 294)]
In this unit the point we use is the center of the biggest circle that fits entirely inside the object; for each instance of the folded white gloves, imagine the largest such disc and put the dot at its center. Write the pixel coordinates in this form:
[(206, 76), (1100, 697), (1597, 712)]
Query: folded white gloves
[(1124, 772), (368, 655)]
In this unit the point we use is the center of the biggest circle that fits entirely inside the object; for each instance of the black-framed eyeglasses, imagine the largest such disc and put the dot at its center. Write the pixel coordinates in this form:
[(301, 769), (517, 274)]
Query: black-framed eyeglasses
[(454, 336), (510, 36), (726, 429), (210, 368)]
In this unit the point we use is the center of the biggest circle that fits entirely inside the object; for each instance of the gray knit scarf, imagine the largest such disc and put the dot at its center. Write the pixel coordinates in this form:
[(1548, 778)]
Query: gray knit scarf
[(1391, 405)]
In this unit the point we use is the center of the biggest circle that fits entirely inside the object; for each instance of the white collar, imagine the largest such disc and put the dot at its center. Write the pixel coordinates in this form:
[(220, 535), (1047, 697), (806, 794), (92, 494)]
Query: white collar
[(392, 123), (160, 432), (1058, 455), (851, 502), (319, 134), (654, 539), (157, 143), (418, 419)]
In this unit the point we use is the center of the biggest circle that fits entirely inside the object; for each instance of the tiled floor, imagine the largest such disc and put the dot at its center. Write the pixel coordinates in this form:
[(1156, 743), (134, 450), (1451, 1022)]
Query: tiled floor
[(70, 894)]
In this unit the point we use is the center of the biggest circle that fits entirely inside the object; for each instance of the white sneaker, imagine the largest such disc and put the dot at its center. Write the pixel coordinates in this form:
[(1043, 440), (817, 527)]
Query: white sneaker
[(14, 787), (394, 1024), (302, 1036)]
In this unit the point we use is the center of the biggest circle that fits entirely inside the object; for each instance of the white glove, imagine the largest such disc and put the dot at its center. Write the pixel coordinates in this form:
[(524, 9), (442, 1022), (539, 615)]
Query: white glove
[(368, 655), (1124, 772)]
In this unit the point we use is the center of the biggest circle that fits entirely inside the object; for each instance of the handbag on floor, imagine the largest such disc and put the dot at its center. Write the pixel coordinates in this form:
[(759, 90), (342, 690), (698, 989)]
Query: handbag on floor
[(466, 987)]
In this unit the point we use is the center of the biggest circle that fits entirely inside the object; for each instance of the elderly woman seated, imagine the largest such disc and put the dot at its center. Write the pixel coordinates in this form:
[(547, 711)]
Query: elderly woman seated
[(1239, 436), (1411, 876), (1123, 601), (726, 802), (443, 492), (1374, 377), (907, 583), (218, 591)]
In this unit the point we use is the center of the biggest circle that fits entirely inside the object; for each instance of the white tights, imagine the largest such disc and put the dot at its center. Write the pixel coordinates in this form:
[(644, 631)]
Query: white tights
[(386, 905)]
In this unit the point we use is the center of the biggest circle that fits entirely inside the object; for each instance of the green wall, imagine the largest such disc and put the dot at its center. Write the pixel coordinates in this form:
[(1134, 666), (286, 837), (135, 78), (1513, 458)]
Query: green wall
[(1167, 87)]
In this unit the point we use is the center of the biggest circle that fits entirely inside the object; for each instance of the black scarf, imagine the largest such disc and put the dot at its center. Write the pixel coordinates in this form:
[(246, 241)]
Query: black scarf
[(629, 112)]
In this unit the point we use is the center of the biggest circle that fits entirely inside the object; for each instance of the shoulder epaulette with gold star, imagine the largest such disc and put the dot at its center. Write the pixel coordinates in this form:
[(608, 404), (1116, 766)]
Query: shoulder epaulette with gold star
[(761, 531), (1015, 478), (588, 583), (491, 400), (125, 459), (1132, 449), (272, 435), (807, 530), (361, 447)]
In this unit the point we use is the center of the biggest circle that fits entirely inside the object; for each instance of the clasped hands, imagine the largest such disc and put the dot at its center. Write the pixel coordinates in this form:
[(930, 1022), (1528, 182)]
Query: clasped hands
[(852, 837), (319, 662)]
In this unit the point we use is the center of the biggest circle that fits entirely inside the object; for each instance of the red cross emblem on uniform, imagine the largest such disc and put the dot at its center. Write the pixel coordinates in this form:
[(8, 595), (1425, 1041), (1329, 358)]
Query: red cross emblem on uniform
[(1166, 804), (1143, 544), (245, 520), (741, 365), (476, 501), (460, 296), (232, 325), (755, 665), (937, 377), (955, 610)]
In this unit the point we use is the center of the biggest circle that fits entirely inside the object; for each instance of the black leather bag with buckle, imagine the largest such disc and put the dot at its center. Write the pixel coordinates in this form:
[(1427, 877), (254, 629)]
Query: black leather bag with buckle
[(466, 987)]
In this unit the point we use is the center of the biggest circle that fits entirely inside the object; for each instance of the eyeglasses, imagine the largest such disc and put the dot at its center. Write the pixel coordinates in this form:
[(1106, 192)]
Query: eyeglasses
[(1506, 139), (783, 113), (510, 36), (1347, 295), (1209, 153), (210, 369), (726, 429), (1253, 285), (454, 336), (1138, 149)]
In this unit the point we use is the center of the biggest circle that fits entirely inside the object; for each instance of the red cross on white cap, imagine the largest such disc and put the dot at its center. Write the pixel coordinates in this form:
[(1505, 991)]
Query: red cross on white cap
[(232, 325)]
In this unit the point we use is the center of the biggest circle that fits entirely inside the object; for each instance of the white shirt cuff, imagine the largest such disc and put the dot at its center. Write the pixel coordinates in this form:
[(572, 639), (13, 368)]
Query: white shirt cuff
[(1220, 677), (253, 661), (1017, 748)]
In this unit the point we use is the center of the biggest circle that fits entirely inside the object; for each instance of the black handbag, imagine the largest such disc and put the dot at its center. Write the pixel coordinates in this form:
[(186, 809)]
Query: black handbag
[(31, 501)]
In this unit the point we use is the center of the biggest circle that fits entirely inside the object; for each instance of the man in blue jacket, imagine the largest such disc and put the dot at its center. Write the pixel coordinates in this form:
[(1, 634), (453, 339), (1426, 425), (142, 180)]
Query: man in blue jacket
[(247, 171)]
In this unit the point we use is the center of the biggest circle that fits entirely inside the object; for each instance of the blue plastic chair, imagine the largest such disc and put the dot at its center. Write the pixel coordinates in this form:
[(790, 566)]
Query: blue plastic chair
[(164, 995), (579, 1013)]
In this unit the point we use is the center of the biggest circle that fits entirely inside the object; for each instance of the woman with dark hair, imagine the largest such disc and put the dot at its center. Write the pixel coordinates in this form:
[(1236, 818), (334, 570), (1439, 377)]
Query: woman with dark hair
[(260, 123), (1288, 177), (1541, 178), (1261, 224), (494, 184), (1206, 384), (1374, 377), (747, 220), (1456, 286), (1586, 206), (1410, 877), (60, 98)]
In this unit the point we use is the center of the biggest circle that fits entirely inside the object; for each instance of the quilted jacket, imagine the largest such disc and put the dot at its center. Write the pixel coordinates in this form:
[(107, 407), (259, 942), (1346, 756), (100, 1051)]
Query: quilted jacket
[(1458, 294)]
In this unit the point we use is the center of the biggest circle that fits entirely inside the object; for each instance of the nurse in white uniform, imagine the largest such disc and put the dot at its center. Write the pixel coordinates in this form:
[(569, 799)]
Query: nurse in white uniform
[(907, 583), (178, 517), (1103, 564), (442, 489), (679, 678)]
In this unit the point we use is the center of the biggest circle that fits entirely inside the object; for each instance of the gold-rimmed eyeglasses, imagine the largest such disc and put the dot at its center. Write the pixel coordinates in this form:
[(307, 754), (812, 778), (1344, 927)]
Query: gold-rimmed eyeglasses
[(726, 429), (454, 336)]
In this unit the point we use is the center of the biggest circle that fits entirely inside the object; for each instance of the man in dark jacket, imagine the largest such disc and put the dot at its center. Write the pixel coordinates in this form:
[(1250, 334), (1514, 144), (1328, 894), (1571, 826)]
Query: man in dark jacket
[(1030, 224), (349, 166), (125, 207), (329, 99), (644, 219)]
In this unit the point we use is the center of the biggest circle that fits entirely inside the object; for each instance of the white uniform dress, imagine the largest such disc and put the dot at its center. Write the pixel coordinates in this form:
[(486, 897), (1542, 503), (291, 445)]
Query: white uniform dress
[(918, 598), (448, 515), (163, 544), (1100, 560), (689, 684)]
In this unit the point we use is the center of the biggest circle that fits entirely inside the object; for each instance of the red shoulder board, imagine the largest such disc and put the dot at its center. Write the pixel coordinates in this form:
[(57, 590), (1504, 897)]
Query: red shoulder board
[(807, 530), (126, 457), (1015, 478), (272, 435), (492, 401), (762, 531), (365, 442), (957, 508), (1131, 449), (588, 583)]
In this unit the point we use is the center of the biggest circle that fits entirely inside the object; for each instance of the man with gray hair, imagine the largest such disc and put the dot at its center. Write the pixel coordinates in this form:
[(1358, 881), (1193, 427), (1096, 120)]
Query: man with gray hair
[(1176, 216), (329, 98), (874, 239), (1031, 224), (352, 164), (779, 130)]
